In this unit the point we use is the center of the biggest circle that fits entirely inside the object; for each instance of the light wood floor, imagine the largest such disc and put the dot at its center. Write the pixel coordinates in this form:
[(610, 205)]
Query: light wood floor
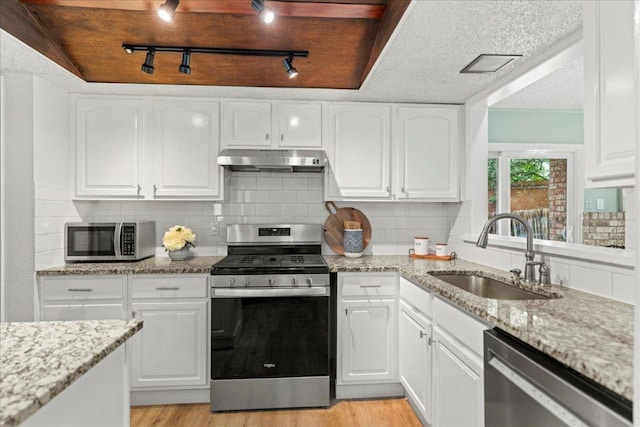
[(347, 413)]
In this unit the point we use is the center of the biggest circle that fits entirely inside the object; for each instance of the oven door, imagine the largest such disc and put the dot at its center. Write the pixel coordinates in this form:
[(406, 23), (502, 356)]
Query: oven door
[(269, 333)]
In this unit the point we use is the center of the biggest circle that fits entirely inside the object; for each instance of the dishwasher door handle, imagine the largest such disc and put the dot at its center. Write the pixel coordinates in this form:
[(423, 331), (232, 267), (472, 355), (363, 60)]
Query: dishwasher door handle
[(536, 393)]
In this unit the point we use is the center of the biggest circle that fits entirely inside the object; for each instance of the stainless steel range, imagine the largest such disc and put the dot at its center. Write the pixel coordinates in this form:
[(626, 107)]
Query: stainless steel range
[(270, 319)]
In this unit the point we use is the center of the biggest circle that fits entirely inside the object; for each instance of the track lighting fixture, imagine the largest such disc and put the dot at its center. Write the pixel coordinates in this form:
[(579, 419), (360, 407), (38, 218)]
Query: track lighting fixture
[(186, 60), (167, 11), (266, 13), (147, 67), (288, 65), (185, 66)]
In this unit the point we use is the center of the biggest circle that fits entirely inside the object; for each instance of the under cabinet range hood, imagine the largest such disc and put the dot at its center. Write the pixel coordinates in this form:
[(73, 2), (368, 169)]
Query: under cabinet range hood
[(241, 160)]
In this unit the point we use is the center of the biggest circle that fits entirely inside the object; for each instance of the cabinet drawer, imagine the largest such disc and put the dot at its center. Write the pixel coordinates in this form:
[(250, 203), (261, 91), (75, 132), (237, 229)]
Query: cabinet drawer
[(416, 296), (175, 286), (372, 285), (460, 324), (82, 288)]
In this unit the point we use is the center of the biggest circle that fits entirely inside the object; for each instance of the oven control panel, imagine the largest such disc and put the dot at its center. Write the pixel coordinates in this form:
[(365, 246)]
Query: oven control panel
[(270, 281)]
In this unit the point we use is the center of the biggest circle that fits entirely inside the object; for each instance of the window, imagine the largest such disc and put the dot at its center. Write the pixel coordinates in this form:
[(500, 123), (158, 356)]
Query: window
[(533, 185)]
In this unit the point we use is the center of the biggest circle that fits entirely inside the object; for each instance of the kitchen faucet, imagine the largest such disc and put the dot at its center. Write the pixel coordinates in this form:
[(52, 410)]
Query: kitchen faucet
[(530, 264)]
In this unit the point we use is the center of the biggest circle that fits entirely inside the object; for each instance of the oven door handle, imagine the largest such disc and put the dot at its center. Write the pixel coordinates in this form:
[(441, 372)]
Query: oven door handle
[(270, 292)]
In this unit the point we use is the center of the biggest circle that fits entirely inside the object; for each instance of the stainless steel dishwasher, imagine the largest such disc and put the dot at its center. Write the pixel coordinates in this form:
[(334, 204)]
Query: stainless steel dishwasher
[(524, 387)]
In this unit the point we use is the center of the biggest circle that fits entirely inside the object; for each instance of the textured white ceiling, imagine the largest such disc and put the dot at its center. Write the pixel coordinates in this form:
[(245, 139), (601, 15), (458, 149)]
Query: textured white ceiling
[(561, 90), (421, 63)]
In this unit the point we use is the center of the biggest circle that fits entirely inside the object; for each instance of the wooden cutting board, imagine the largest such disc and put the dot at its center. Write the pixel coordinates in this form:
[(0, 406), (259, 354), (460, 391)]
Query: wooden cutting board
[(334, 226)]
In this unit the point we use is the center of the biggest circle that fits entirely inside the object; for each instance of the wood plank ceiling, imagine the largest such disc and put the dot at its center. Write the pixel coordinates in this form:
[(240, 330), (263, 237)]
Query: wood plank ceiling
[(343, 37)]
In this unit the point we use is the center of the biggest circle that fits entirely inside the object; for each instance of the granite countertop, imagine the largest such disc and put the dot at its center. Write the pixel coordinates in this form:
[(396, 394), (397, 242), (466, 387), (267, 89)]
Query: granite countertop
[(38, 360), (153, 265), (591, 334)]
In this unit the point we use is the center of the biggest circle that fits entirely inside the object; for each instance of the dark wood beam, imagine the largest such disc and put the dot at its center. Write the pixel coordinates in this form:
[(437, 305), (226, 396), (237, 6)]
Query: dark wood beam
[(236, 7), (393, 13), (18, 22)]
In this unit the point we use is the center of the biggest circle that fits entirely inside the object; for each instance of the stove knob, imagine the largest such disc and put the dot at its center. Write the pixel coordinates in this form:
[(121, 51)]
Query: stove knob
[(231, 281), (294, 281), (247, 281), (271, 281), (310, 281)]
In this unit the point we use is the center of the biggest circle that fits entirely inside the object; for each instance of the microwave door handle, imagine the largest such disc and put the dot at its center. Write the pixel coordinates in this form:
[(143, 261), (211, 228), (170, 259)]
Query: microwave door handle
[(117, 237)]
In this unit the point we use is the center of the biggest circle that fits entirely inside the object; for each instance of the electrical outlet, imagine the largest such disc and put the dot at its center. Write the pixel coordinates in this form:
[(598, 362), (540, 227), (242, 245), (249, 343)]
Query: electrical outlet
[(600, 204), (215, 229), (589, 204)]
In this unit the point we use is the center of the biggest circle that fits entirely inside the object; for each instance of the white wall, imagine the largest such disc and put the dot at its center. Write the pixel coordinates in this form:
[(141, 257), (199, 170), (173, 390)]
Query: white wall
[(282, 198), (17, 165)]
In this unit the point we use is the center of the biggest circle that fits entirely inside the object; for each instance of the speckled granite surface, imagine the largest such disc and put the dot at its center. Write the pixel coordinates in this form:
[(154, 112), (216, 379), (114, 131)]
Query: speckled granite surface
[(38, 360), (588, 333), (153, 265), (591, 334)]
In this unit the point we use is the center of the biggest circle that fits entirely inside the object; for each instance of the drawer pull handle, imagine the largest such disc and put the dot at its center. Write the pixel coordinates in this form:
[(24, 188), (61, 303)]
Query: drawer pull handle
[(168, 288), (80, 290), (370, 286)]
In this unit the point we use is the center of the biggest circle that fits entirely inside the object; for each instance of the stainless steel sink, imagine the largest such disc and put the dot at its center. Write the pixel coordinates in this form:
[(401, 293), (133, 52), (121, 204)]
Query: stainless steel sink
[(488, 288)]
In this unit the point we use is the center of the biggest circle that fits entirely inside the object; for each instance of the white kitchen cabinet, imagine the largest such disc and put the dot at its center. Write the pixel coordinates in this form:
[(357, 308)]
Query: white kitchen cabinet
[(277, 125), (82, 297), (171, 350), (184, 151), (415, 361), (110, 147), (458, 372), (610, 110), (427, 153), (367, 328), (358, 147)]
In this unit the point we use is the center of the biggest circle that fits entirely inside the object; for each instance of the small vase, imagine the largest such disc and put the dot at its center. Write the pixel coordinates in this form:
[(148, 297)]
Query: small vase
[(180, 254)]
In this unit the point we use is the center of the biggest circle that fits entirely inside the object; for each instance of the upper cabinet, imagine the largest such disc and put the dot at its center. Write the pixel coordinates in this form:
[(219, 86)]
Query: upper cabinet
[(418, 161), (264, 124), (110, 147), (147, 150), (185, 149), (358, 146), (427, 144), (610, 112)]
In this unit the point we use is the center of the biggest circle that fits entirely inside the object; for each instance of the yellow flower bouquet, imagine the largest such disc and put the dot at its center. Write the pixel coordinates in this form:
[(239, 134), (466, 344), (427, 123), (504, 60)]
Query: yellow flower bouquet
[(178, 237)]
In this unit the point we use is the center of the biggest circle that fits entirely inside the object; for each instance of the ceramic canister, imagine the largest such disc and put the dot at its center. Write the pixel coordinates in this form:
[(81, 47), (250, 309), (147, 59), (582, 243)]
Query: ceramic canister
[(441, 249), (421, 245), (352, 242)]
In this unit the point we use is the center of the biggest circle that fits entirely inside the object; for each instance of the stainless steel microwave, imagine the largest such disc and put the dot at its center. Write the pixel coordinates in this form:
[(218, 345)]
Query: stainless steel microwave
[(109, 241)]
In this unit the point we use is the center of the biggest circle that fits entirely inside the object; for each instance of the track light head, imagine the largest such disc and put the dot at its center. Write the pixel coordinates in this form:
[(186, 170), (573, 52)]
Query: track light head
[(186, 60), (147, 67), (288, 65), (167, 11), (266, 13)]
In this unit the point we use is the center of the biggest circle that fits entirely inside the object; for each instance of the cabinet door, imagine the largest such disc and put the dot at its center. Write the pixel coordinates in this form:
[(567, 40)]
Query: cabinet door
[(109, 147), (428, 153), (368, 340), (457, 384), (359, 151), (246, 124), (415, 357), (299, 125), (185, 148), (171, 348), (72, 310), (610, 111)]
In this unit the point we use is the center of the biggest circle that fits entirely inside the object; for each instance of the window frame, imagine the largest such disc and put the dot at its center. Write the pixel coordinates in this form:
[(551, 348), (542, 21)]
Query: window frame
[(504, 152)]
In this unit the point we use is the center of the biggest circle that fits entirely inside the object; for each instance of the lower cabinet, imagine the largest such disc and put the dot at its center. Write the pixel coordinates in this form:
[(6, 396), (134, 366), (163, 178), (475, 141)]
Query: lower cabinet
[(82, 297), (171, 349), (415, 349), (367, 364)]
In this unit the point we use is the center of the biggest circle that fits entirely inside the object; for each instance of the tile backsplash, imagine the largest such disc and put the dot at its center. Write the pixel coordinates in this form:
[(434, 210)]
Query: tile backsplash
[(281, 198)]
